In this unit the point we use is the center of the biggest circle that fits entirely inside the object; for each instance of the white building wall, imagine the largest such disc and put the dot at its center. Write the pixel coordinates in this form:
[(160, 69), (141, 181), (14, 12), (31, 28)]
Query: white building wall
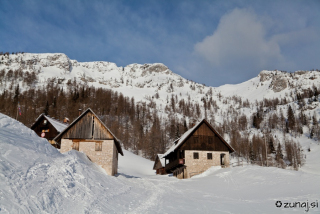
[(197, 166)]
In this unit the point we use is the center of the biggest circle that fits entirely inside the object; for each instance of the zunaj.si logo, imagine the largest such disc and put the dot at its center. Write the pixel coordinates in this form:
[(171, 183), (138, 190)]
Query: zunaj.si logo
[(298, 204), (278, 204)]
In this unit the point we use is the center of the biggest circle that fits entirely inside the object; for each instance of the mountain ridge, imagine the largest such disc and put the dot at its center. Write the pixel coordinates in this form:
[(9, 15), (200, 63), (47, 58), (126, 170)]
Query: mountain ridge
[(58, 67)]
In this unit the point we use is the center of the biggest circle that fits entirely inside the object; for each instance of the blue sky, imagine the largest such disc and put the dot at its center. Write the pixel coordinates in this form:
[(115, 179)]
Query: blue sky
[(211, 42)]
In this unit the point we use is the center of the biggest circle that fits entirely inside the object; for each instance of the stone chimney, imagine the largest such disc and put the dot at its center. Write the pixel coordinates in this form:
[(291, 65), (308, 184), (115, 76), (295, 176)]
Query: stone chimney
[(66, 120)]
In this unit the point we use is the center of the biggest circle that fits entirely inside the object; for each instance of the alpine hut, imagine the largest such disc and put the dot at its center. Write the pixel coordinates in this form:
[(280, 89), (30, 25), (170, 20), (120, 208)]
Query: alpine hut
[(90, 135), (49, 128), (198, 149), (159, 165)]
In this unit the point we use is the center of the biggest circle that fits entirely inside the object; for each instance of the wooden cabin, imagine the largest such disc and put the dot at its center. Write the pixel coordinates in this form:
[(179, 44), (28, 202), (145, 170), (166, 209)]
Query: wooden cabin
[(49, 128), (200, 148), (159, 165), (88, 134)]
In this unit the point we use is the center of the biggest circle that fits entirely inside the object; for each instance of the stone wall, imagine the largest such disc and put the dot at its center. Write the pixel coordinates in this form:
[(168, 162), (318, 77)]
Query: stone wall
[(114, 160), (197, 166), (107, 158), (66, 145)]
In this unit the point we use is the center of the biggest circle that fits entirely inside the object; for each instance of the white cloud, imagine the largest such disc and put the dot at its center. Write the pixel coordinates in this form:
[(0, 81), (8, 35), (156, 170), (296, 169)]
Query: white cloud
[(240, 43)]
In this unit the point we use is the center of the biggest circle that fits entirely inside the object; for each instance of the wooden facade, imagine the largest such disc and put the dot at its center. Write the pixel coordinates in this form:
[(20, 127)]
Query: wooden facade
[(204, 139), (197, 150), (159, 165), (88, 134), (48, 128)]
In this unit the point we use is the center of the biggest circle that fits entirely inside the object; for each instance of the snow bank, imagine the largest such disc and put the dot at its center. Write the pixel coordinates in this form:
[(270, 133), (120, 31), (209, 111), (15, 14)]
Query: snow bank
[(208, 172), (35, 177)]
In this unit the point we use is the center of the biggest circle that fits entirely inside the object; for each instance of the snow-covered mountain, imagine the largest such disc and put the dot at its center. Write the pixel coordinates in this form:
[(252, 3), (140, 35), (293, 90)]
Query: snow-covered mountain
[(157, 84), (149, 82), (36, 178), (144, 81)]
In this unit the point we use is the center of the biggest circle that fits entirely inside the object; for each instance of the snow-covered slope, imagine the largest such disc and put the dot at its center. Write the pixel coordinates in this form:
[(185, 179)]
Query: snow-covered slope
[(143, 81), (149, 82), (36, 178)]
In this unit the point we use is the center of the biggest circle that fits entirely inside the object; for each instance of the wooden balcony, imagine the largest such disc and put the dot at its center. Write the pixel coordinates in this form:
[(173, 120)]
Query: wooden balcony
[(174, 164)]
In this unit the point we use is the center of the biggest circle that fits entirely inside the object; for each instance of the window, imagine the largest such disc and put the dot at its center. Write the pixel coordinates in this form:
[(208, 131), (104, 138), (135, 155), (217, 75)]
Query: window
[(98, 146), (209, 156), (195, 155), (75, 146)]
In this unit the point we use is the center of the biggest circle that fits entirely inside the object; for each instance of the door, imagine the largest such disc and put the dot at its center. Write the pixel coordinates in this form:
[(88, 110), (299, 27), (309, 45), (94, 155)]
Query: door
[(222, 159)]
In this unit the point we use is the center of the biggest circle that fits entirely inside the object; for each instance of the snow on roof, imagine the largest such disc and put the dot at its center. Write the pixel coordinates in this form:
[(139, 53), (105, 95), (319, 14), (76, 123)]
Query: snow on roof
[(59, 126), (181, 139), (56, 124), (162, 160)]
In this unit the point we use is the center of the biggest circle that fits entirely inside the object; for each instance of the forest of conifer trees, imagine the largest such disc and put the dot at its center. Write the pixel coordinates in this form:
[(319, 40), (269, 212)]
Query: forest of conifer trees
[(146, 132)]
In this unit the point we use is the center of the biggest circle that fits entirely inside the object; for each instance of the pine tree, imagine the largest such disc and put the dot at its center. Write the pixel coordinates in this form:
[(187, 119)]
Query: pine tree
[(185, 127), (271, 147), (177, 134), (291, 118), (252, 156), (311, 133), (16, 99), (279, 155), (46, 109), (314, 120), (255, 122)]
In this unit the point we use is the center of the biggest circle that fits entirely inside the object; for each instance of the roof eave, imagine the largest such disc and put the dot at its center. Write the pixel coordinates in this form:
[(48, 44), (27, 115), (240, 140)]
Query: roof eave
[(57, 139)]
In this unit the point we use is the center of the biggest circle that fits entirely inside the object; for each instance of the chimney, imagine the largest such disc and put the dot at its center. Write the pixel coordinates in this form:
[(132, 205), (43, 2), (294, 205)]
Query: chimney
[(80, 111), (66, 120)]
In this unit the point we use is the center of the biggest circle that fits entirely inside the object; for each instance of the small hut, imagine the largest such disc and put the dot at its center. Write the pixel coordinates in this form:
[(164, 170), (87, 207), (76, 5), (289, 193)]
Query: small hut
[(49, 128), (198, 149), (90, 135), (159, 165)]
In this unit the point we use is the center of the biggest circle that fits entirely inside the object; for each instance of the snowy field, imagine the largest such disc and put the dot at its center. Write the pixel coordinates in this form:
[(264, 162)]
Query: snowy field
[(36, 178)]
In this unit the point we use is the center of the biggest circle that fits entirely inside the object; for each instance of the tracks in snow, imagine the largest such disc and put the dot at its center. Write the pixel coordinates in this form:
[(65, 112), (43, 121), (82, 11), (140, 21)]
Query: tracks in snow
[(150, 193)]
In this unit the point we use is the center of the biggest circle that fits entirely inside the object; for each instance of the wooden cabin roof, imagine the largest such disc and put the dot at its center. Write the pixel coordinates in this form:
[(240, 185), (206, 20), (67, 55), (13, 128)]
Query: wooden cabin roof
[(180, 141), (85, 131), (59, 126), (159, 162)]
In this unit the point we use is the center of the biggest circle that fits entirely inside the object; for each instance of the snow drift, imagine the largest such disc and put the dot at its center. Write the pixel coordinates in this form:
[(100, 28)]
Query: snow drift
[(36, 177)]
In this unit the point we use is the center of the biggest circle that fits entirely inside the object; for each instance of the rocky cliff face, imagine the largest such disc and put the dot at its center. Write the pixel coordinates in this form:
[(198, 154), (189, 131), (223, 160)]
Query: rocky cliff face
[(299, 80), (278, 80)]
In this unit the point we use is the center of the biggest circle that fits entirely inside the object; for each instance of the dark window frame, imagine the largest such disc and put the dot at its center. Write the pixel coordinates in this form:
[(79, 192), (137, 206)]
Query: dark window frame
[(76, 145), (196, 155), (209, 156), (98, 146)]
